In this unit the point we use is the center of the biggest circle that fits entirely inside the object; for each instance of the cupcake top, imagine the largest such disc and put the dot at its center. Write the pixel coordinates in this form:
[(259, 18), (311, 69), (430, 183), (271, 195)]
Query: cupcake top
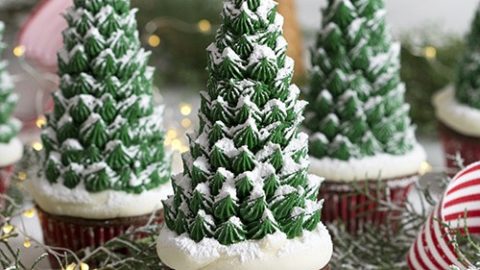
[(104, 138), (357, 115), (245, 199), (11, 149), (459, 107)]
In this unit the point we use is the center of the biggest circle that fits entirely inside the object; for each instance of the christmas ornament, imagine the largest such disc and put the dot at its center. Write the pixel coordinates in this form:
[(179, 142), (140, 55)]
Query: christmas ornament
[(245, 189), (357, 117), (458, 212), (104, 165)]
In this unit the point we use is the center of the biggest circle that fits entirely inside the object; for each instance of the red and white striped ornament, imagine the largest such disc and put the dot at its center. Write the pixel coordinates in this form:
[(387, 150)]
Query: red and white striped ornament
[(41, 35), (460, 210)]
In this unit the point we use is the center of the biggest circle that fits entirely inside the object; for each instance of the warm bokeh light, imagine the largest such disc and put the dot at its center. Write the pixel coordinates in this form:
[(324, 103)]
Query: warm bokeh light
[(425, 168), (30, 213), (154, 41), (41, 121), (176, 144), (37, 146), (27, 243), (22, 176), (8, 228), (19, 51), (185, 109), (430, 52), (186, 123), (172, 134), (204, 26)]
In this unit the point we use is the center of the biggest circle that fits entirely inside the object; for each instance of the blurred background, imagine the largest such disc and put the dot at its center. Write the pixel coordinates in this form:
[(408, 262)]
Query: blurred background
[(178, 31)]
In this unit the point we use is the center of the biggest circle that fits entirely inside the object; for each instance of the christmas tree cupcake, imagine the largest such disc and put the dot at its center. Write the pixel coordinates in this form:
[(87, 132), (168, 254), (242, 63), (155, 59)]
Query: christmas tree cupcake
[(11, 149), (245, 199), (458, 108), (358, 120), (104, 167)]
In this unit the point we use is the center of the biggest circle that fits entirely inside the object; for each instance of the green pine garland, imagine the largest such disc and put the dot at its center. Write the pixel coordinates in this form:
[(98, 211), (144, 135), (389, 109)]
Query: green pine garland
[(105, 131)]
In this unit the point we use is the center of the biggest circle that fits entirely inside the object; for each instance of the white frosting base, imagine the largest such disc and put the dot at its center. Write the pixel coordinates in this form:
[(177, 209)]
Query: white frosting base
[(59, 200), (312, 251), (11, 153), (383, 166), (457, 116)]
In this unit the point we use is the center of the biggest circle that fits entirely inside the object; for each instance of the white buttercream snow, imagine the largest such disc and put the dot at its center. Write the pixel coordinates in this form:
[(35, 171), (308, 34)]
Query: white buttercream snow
[(382, 166), (312, 251), (11, 152), (60, 200), (460, 117)]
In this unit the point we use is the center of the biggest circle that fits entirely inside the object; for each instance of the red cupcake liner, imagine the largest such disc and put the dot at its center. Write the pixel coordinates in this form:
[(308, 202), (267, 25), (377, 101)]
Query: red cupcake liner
[(76, 234), (359, 206), (455, 143), (5, 176)]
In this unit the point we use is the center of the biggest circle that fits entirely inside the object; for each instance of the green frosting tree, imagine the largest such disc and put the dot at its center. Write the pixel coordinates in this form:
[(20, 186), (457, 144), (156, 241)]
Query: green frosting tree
[(246, 174), (104, 133), (9, 127), (357, 106), (468, 79)]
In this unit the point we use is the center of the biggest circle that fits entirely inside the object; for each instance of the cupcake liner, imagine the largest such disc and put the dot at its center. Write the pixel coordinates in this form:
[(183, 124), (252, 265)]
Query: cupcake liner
[(454, 143), (345, 203), (76, 234), (459, 210), (5, 175)]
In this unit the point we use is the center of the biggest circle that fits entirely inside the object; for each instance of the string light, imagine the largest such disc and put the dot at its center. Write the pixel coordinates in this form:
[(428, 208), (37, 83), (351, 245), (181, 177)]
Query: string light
[(430, 52), (185, 109), (71, 266), (30, 213), (184, 149), (22, 176), (172, 134), (154, 41), (41, 121), (425, 168), (27, 243), (176, 144), (37, 146), (74, 266), (8, 228), (186, 123), (19, 51), (204, 26)]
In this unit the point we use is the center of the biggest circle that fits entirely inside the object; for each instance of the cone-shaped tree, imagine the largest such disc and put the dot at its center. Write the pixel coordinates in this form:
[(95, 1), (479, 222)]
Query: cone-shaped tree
[(9, 126), (468, 79), (105, 131), (246, 174), (357, 106)]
